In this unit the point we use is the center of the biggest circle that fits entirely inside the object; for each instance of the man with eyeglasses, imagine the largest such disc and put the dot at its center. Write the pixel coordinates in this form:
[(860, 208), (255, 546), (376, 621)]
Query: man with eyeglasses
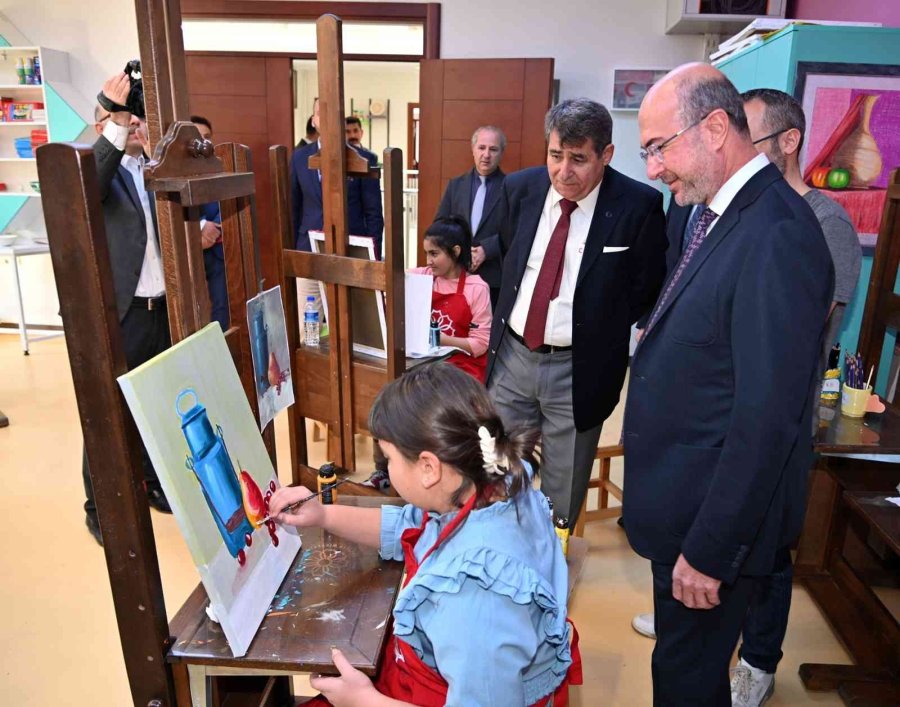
[(129, 215), (723, 383)]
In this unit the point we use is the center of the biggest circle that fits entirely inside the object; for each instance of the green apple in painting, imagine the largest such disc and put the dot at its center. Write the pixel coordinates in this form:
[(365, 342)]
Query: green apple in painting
[(839, 178)]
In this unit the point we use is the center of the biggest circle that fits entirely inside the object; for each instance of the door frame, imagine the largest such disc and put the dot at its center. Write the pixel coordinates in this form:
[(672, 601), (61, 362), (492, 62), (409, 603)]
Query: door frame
[(427, 14)]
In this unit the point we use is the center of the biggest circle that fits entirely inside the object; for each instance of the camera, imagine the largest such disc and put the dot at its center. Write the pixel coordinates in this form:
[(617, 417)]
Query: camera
[(134, 104)]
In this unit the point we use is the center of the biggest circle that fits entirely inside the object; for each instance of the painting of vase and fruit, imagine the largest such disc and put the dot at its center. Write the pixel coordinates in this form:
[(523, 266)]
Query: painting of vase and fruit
[(201, 435), (852, 139)]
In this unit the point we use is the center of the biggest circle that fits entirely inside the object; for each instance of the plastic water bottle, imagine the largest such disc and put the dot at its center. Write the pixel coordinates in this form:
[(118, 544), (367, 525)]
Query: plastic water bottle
[(311, 322)]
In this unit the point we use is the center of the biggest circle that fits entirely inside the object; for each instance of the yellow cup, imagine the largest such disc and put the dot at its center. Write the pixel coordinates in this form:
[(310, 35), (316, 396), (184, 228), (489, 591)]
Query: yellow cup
[(853, 400)]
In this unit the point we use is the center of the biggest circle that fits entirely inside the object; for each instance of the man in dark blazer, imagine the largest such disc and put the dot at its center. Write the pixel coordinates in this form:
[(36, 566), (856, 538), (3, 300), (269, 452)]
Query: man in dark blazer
[(213, 250), (474, 196), (130, 218), (586, 258), (716, 432), (364, 210), (353, 129)]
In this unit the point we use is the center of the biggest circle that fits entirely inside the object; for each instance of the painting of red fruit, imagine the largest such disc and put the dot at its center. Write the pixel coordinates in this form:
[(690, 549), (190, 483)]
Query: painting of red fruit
[(254, 505)]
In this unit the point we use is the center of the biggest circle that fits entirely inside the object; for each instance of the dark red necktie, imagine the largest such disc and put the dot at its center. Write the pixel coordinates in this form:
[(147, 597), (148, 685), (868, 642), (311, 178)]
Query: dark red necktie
[(549, 278)]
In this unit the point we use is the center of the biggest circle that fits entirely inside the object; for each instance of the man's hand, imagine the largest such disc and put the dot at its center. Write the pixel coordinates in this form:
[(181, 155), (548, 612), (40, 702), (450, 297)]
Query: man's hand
[(351, 689), (209, 234), (116, 89), (477, 257), (692, 588)]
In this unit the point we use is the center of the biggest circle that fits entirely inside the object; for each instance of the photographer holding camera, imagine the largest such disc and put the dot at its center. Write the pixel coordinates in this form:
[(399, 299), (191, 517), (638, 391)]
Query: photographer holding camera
[(130, 216)]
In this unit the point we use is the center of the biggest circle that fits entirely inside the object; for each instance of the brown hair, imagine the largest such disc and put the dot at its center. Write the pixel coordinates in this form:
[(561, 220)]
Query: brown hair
[(437, 408)]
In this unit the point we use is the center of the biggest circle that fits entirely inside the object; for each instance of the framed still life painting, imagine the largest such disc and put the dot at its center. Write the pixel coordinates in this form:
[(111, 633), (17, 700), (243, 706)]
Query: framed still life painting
[(852, 135)]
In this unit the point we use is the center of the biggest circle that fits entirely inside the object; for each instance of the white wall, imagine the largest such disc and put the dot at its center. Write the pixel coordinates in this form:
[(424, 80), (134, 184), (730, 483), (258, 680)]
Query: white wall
[(587, 39), (397, 81)]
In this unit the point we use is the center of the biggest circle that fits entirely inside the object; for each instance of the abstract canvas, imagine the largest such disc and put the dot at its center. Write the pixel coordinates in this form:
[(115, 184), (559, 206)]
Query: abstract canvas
[(196, 423), (270, 353)]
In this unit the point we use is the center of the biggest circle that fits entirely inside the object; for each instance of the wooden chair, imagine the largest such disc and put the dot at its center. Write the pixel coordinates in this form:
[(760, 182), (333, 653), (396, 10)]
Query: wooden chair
[(604, 487)]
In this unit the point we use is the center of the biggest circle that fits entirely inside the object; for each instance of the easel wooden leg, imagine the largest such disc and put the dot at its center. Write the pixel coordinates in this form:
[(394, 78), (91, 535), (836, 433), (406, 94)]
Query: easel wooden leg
[(197, 680)]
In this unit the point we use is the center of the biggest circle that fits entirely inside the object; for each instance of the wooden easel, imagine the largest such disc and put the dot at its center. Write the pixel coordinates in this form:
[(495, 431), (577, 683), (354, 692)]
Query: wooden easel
[(882, 310), (184, 174), (337, 386)]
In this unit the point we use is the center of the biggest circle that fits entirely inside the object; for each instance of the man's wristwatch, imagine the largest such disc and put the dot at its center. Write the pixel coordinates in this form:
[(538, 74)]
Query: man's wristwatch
[(109, 105)]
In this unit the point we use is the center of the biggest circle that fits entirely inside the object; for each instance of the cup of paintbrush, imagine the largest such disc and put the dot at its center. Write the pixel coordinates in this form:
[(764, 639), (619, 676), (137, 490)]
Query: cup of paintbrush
[(854, 400)]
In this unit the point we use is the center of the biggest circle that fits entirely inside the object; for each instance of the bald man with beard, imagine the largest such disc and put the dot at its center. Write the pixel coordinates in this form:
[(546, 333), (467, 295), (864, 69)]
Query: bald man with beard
[(723, 383)]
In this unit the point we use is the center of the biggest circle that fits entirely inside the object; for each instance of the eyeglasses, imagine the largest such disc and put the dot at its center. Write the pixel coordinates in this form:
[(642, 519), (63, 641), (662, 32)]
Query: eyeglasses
[(769, 137), (655, 151)]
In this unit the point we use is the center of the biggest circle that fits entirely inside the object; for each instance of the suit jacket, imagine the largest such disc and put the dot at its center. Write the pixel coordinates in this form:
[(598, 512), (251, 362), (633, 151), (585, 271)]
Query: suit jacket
[(613, 290), (457, 201), (722, 388), (126, 226), (364, 210), (676, 221)]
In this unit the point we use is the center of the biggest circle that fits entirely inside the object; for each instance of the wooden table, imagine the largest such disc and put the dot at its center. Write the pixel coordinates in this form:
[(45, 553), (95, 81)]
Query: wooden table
[(336, 593), (848, 546)]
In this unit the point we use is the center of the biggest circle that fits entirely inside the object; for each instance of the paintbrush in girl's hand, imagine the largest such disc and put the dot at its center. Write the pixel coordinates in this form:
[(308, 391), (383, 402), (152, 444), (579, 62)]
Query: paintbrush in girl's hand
[(297, 504)]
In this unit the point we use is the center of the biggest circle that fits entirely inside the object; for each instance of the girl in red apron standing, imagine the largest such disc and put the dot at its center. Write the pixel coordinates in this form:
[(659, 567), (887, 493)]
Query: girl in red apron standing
[(460, 301), (481, 617)]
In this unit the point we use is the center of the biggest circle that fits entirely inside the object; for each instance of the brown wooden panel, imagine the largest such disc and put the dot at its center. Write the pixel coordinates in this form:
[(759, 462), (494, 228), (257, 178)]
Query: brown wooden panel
[(431, 111), (232, 75), (397, 11), (484, 79), (536, 103), (462, 118), (456, 158), (231, 115)]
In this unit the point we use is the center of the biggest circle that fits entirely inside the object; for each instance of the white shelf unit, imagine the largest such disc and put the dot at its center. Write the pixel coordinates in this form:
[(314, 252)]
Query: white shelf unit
[(17, 173)]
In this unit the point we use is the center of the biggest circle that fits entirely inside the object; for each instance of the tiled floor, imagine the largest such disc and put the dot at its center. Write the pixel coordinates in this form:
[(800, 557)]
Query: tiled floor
[(61, 645)]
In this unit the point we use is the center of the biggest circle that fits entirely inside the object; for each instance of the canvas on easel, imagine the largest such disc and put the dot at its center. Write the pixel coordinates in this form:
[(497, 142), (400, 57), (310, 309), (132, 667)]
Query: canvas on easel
[(270, 353), (369, 324), (195, 421)]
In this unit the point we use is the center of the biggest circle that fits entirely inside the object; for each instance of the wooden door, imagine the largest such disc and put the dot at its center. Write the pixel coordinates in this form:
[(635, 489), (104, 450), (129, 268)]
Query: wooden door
[(249, 100), (458, 95)]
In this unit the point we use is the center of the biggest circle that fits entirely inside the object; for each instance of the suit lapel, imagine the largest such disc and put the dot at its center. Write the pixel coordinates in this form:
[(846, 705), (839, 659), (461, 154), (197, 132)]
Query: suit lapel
[(726, 223), (126, 177), (529, 219), (606, 213)]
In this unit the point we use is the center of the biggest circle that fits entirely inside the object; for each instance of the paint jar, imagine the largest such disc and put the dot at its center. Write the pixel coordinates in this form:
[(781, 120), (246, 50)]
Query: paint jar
[(326, 480), (562, 532)]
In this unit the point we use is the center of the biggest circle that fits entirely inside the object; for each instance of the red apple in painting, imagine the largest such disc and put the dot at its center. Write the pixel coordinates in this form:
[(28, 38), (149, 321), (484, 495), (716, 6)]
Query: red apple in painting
[(839, 178), (254, 505)]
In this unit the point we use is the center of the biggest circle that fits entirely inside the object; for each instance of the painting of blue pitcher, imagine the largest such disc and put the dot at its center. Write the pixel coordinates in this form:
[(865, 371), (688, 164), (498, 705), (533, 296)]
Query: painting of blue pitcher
[(259, 340), (211, 464)]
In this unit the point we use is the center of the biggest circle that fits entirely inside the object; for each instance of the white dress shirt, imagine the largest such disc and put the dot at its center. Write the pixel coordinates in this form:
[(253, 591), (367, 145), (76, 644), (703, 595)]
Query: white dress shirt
[(558, 330), (151, 282), (723, 198)]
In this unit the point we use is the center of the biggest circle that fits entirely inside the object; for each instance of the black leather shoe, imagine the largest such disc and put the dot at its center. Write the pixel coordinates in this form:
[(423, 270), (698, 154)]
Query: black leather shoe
[(157, 500), (93, 526)]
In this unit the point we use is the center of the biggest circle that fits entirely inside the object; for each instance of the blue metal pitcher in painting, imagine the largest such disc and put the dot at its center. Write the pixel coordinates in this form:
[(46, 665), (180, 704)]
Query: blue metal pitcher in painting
[(259, 340), (211, 464)]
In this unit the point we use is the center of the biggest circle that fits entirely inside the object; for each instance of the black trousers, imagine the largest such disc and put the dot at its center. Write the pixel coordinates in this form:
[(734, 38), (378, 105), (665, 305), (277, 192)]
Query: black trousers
[(694, 646), (145, 333)]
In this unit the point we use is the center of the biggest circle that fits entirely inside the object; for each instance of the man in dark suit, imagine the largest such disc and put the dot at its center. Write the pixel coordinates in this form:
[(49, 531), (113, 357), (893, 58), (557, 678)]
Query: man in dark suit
[(586, 258), (474, 197), (354, 132), (130, 218), (364, 209), (716, 431), (213, 250)]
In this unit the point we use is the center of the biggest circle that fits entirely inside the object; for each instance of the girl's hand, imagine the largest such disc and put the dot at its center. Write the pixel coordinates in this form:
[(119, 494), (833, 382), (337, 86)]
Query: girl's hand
[(311, 513), (351, 689)]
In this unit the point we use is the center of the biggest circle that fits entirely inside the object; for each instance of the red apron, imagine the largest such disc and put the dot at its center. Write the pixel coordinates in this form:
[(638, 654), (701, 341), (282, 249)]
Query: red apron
[(404, 676), (454, 316)]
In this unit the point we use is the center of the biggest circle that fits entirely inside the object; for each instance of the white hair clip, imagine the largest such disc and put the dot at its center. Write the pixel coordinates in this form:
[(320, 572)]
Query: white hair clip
[(492, 463)]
